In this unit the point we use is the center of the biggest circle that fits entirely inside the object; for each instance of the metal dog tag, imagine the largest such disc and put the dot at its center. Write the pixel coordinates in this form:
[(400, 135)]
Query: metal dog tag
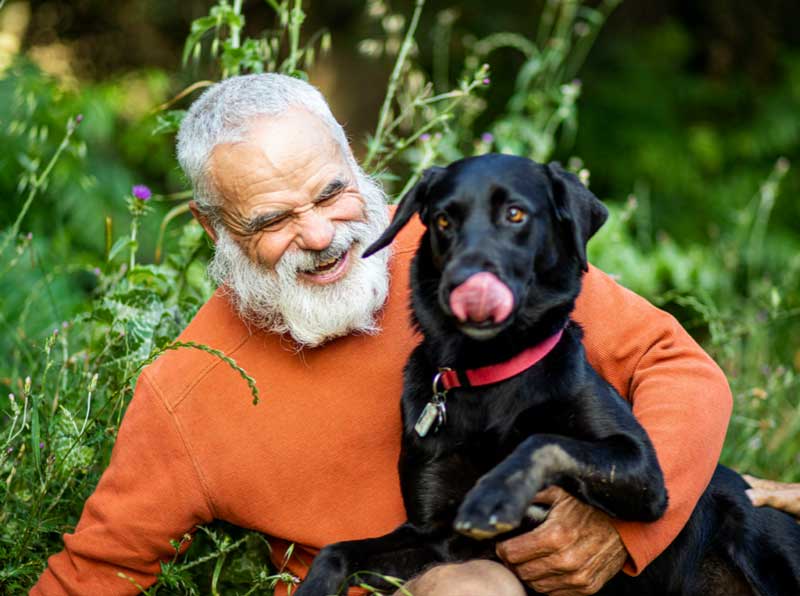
[(429, 415), (434, 412)]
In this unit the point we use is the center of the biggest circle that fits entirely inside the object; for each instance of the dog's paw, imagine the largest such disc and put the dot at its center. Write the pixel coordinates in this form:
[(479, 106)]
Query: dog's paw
[(494, 506), (328, 574)]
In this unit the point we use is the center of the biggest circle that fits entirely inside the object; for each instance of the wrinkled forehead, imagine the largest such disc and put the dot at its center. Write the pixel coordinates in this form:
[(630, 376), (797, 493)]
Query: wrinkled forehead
[(292, 152), (296, 131)]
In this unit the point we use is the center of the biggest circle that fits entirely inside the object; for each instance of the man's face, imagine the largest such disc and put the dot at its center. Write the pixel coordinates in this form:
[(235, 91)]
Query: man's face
[(295, 220), (285, 188)]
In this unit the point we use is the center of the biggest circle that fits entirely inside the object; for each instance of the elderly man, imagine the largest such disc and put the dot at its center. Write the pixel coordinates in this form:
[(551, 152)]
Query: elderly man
[(325, 334)]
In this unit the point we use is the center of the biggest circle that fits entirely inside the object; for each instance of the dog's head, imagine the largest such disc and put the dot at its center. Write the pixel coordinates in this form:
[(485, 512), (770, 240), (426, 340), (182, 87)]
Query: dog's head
[(505, 242)]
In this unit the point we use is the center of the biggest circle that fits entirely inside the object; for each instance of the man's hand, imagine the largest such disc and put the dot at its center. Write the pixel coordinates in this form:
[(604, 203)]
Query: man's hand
[(574, 552), (780, 495)]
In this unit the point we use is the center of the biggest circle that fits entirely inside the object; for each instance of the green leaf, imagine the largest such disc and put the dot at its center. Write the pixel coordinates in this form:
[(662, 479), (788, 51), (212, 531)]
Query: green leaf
[(199, 28), (168, 122), (120, 245), (35, 432), (152, 277), (215, 575), (103, 313), (139, 298)]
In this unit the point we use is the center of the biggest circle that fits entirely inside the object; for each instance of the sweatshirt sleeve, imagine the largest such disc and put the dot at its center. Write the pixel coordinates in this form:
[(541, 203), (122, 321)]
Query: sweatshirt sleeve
[(150, 494), (679, 395)]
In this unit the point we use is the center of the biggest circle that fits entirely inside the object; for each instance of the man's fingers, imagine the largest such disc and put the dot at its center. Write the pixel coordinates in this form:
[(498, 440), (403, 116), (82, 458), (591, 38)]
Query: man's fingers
[(550, 495), (531, 545), (555, 567), (788, 501), (572, 553), (757, 497), (759, 482)]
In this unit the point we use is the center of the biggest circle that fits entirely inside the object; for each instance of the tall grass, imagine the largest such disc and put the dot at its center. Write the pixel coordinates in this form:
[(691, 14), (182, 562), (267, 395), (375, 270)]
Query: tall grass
[(66, 386)]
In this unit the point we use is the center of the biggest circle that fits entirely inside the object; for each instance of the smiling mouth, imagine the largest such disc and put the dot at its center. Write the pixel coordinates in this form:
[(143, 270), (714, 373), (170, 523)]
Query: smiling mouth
[(325, 266), (329, 270)]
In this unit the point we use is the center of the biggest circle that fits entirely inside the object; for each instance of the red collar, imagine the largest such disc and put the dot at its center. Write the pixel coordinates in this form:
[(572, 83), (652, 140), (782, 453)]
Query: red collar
[(495, 373)]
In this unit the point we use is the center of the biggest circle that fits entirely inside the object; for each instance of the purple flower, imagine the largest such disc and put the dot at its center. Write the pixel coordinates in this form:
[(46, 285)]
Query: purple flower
[(78, 118), (96, 271), (424, 137), (487, 137), (29, 236), (141, 192), (10, 450), (487, 80), (41, 445)]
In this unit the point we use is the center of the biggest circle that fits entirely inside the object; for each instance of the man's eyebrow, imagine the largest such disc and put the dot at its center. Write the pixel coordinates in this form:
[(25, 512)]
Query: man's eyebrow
[(262, 220), (334, 187)]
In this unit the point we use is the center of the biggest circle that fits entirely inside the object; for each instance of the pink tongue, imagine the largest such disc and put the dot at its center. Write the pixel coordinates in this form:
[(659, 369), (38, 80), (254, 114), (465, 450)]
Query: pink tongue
[(483, 296)]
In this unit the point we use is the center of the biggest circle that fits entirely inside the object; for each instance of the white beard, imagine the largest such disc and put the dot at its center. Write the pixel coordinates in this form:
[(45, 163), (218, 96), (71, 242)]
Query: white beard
[(275, 300)]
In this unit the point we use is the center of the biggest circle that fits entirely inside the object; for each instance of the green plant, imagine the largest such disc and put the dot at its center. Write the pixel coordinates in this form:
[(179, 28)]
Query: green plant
[(83, 307), (739, 308)]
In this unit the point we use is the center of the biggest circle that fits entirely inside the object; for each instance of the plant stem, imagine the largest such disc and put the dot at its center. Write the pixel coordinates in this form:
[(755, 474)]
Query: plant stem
[(295, 21), (408, 42), (36, 185), (235, 31), (235, 36), (190, 89), (134, 230)]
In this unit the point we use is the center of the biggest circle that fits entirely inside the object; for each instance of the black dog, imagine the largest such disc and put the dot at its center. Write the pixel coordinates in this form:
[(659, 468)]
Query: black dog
[(494, 282)]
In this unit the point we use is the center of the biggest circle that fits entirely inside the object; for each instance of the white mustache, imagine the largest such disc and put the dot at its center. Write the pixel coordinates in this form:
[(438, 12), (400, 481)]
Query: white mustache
[(345, 236)]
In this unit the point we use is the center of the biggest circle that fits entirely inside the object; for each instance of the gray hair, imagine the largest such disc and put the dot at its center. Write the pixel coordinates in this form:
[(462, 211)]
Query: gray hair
[(223, 114)]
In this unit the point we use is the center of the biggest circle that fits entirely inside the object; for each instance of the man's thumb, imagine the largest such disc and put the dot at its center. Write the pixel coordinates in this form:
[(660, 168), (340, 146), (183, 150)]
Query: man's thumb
[(550, 495)]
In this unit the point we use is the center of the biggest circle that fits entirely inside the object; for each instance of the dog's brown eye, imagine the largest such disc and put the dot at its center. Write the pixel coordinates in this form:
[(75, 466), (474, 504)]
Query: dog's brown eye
[(442, 222), (515, 215)]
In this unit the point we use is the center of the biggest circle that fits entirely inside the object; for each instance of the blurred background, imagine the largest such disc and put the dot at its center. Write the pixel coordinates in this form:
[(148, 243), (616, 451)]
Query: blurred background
[(683, 116), (692, 101)]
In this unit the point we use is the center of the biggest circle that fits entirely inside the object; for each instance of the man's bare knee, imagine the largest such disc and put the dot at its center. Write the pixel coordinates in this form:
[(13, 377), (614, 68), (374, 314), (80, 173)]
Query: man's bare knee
[(473, 578)]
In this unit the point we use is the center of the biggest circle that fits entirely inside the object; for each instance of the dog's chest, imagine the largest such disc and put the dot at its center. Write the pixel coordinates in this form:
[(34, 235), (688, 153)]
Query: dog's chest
[(487, 423)]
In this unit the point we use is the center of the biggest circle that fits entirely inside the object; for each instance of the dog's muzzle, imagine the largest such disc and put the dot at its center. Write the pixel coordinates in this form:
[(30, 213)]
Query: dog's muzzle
[(482, 298)]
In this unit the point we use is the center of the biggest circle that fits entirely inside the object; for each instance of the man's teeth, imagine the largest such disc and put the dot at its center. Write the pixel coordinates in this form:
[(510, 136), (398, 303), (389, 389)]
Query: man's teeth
[(328, 263), (325, 265)]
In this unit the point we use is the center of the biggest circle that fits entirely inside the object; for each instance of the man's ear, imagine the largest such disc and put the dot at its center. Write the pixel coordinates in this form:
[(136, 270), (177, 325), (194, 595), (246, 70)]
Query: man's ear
[(576, 207), (203, 220), (415, 201)]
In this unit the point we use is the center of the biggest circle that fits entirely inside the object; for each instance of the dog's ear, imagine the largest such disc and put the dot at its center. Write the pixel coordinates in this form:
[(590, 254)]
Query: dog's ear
[(576, 207), (414, 201)]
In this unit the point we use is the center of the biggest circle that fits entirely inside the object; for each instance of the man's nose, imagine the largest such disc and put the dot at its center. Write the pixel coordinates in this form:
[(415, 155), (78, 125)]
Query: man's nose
[(315, 231)]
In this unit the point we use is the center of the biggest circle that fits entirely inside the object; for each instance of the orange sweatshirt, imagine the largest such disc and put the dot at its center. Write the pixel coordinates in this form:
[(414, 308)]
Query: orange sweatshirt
[(316, 460)]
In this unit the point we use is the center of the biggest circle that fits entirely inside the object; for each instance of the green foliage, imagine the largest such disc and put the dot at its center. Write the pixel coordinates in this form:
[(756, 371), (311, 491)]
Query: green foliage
[(545, 90), (713, 236), (84, 306), (742, 300), (70, 387)]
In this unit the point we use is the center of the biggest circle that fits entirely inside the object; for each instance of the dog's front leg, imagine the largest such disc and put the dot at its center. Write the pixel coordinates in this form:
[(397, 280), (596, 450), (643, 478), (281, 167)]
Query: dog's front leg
[(328, 574), (401, 553), (619, 475)]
